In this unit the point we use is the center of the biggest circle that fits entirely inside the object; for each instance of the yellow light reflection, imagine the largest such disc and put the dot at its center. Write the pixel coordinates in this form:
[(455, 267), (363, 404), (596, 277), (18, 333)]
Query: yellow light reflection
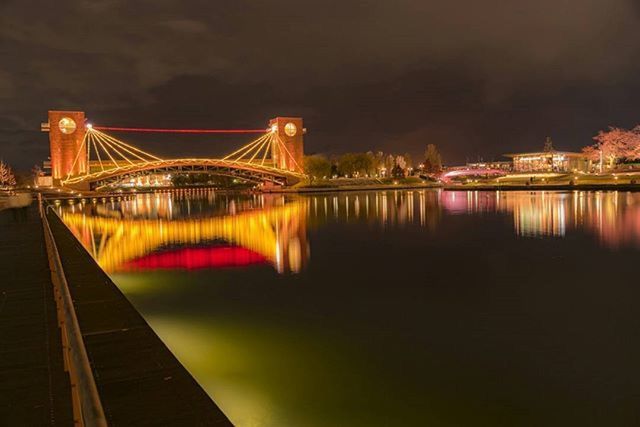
[(278, 234)]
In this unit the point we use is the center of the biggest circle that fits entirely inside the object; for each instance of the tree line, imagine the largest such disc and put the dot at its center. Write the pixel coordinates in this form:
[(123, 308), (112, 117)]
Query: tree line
[(370, 164)]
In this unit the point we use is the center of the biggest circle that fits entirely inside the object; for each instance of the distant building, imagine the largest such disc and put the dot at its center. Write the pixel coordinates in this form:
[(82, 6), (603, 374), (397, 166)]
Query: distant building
[(504, 166), (549, 161)]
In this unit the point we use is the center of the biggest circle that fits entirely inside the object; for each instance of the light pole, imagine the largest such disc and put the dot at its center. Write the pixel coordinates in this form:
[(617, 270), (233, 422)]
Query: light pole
[(601, 160)]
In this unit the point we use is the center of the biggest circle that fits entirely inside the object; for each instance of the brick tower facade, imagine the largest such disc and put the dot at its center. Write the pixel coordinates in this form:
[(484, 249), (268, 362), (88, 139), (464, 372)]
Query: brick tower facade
[(66, 133), (290, 130)]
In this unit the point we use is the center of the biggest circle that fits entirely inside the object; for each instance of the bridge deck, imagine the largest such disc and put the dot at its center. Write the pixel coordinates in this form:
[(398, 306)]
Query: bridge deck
[(34, 389), (245, 170)]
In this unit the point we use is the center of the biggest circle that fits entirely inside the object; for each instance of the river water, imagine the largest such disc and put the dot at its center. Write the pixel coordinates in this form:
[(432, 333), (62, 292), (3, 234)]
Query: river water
[(387, 308)]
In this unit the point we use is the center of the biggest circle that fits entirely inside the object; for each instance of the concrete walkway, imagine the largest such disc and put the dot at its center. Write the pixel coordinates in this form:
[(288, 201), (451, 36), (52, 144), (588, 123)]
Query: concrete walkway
[(139, 380), (34, 389)]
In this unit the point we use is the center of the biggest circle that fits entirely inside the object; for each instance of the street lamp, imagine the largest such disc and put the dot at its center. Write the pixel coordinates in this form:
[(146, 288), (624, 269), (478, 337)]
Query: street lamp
[(601, 159)]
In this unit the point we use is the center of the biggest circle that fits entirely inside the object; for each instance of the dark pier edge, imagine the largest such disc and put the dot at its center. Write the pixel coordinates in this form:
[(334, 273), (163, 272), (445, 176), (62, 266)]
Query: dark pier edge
[(139, 380), (34, 387)]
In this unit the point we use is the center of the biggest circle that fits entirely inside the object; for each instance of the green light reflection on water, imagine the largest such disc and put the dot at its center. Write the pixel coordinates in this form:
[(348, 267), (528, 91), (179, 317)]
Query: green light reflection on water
[(264, 373)]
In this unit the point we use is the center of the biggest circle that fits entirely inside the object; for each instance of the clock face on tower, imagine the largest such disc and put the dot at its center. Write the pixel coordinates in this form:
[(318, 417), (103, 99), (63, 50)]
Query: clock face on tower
[(290, 129), (67, 125)]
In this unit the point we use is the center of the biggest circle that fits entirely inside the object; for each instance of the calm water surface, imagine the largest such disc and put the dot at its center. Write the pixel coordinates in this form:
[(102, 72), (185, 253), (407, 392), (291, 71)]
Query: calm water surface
[(388, 308)]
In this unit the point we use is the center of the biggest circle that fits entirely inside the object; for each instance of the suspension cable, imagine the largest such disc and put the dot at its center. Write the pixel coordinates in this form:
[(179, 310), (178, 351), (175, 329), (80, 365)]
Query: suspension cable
[(162, 130)]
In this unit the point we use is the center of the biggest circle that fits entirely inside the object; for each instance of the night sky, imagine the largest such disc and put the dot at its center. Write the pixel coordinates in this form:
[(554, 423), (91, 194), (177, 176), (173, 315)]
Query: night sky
[(477, 78)]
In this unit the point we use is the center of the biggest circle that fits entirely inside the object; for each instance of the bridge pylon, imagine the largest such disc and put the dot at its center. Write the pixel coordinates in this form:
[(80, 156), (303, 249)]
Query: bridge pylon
[(290, 132), (67, 131)]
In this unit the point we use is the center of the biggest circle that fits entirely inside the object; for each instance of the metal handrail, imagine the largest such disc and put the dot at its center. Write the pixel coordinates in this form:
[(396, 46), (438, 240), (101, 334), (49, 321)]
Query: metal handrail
[(88, 409)]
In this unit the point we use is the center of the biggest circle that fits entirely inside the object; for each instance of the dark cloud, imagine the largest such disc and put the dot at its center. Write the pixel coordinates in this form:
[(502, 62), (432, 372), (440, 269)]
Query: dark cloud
[(477, 78)]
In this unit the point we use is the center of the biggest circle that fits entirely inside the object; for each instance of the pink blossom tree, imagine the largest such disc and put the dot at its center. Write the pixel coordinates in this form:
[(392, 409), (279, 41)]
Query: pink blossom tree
[(634, 144), (615, 144)]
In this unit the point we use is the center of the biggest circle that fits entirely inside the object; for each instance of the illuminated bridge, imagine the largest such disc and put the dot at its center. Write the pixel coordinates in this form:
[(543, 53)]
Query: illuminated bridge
[(87, 157), (277, 235)]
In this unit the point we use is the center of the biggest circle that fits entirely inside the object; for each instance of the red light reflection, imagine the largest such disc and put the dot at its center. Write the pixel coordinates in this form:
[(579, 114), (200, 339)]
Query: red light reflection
[(196, 258)]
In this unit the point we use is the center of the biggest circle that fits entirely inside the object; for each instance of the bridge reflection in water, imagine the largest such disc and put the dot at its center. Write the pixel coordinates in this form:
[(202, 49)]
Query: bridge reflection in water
[(150, 232), (202, 229)]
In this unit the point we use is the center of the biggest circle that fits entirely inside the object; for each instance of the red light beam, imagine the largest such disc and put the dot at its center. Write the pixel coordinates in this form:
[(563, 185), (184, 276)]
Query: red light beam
[(161, 130)]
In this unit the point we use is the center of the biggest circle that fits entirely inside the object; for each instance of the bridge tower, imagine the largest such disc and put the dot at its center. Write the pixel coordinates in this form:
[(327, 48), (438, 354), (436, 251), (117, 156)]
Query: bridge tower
[(291, 132), (67, 130)]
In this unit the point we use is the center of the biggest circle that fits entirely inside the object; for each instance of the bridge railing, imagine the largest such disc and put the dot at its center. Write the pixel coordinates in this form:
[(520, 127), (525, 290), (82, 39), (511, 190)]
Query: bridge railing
[(87, 407)]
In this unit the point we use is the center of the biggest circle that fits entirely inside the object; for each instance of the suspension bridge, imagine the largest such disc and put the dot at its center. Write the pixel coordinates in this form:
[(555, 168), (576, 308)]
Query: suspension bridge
[(88, 157)]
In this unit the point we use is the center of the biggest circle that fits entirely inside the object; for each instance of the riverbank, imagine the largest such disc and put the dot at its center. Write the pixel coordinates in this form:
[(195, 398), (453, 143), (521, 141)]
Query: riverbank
[(464, 187), (369, 187), (541, 187), (139, 380), (627, 181)]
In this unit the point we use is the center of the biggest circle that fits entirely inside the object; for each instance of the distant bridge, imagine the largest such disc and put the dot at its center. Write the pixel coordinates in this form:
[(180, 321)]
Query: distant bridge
[(85, 157)]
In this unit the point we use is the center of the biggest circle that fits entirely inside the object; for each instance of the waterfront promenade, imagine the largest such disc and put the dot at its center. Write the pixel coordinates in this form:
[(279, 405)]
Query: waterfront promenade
[(34, 388), (139, 381)]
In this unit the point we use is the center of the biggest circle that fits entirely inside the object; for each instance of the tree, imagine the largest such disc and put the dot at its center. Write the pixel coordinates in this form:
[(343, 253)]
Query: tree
[(389, 163), (7, 179), (36, 172), (355, 164), (397, 171), (399, 163), (615, 144), (347, 164), (375, 162), (433, 161), (317, 166), (634, 146), (378, 163), (409, 160), (591, 152)]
